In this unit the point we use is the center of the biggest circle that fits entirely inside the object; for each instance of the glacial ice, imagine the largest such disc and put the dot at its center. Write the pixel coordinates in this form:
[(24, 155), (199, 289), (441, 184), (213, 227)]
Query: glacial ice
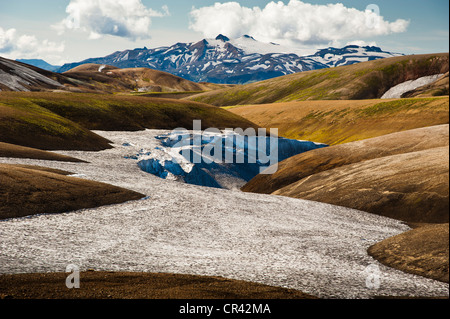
[(397, 91), (221, 160)]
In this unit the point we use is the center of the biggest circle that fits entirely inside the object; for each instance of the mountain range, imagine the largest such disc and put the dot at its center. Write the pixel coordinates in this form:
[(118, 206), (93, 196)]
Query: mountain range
[(40, 64), (233, 61)]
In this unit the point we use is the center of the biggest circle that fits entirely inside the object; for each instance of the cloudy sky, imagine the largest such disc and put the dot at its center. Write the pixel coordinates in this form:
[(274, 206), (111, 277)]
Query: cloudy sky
[(61, 31)]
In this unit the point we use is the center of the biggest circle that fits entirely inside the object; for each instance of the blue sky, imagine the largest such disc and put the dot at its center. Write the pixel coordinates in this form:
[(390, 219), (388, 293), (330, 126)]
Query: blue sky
[(47, 29)]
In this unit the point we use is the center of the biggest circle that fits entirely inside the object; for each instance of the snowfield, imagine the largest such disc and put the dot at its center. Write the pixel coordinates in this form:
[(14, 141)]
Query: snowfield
[(397, 91), (180, 228)]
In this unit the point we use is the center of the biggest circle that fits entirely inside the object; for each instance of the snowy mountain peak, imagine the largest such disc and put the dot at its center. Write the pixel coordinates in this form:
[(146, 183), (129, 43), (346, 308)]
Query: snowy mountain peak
[(222, 38), (234, 61)]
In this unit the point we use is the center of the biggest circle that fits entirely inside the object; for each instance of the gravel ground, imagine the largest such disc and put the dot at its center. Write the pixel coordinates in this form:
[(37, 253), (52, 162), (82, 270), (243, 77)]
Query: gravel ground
[(317, 248)]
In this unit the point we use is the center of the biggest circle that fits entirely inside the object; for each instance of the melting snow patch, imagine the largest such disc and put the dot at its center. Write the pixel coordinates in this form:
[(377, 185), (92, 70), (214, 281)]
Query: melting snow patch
[(78, 175), (397, 91)]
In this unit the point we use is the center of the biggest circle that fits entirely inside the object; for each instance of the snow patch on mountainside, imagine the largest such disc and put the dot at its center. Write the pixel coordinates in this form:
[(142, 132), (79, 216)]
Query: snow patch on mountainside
[(397, 91)]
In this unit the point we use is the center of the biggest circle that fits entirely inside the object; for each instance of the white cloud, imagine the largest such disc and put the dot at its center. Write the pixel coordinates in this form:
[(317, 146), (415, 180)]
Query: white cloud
[(297, 22), (15, 46), (122, 18), (362, 43)]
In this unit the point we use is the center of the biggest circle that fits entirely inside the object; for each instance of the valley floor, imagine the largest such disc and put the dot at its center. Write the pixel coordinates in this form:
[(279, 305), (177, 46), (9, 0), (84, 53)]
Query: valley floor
[(317, 248)]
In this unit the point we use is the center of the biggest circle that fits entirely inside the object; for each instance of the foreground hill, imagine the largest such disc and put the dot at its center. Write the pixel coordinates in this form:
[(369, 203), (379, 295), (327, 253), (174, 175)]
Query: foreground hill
[(422, 251), (93, 78), (62, 121), (28, 191), (412, 187), (367, 80), (336, 122), (303, 165), (402, 175), (111, 285)]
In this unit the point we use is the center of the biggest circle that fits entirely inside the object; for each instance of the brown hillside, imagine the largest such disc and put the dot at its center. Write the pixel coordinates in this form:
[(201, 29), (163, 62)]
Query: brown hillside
[(62, 121), (303, 165), (413, 187), (422, 251), (112, 79), (336, 122), (367, 80), (94, 78), (112, 285), (29, 191)]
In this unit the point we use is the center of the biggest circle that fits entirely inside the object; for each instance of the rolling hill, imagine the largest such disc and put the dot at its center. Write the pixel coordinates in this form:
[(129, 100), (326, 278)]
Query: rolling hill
[(62, 121), (17, 76), (26, 191), (17, 151), (94, 78), (402, 175), (367, 80), (336, 122), (234, 61), (132, 285), (422, 251), (303, 165), (111, 79)]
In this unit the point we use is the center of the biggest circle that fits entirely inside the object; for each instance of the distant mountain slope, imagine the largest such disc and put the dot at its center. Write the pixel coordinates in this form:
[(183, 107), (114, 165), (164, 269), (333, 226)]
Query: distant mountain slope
[(28, 191), (351, 54), (440, 87), (236, 61), (367, 80), (140, 79), (40, 64), (94, 78), (17, 76), (301, 166)]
